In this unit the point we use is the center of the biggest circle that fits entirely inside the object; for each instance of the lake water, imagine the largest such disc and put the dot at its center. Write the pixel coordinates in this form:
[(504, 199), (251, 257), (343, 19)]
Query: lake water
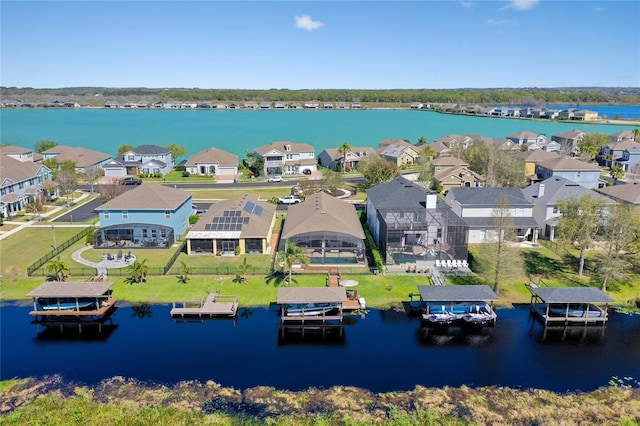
[(384, 351), (240, 130)]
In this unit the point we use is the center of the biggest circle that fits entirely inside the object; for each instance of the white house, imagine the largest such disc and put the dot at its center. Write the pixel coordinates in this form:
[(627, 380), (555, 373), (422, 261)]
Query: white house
[(287, 158), (214, 162)]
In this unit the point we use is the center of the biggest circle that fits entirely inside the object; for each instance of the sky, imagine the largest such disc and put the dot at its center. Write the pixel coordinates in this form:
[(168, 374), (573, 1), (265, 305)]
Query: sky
[(320, 44)]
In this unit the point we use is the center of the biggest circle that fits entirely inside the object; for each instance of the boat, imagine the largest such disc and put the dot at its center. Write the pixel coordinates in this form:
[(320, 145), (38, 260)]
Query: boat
[(577, 311), (65, 304), (310, 309), (441, 318), (481, 318)]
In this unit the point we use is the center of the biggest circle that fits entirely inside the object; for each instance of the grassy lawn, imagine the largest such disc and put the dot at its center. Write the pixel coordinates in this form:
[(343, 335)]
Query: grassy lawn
[(258, 262), (264, 193)]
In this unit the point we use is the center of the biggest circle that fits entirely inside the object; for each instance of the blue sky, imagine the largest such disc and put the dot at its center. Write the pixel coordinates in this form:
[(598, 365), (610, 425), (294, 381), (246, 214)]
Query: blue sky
[(320, 45)]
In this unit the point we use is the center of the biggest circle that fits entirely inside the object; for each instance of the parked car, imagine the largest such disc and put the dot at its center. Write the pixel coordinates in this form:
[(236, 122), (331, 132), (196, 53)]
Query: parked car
[(289, 199), (306, 171), (129, 180), (276, 178)]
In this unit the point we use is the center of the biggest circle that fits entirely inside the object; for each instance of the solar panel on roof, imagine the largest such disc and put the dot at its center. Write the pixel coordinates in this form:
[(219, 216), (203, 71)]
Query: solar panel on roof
[(216, 219), (258, 210), (225, 213), (245, 220), (248, 207)]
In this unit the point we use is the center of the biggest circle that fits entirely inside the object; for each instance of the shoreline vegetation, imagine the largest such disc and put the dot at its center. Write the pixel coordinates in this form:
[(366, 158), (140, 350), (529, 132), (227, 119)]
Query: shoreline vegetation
[(55, 401)]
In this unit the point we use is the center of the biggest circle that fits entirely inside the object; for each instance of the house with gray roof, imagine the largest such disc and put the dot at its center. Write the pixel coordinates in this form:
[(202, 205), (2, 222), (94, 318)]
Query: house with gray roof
[(83, 157), (239, 225), (328, 228), (20, 182), (476, 207), (287, 158), (410, 224), (399, 152), (627, 193), (20, 153), (622, 135), (150, 215), (221, 165), (333, 158), (580, 172), (568, 140), (142, 160), (624, 153), (546, 196), (524, 138)]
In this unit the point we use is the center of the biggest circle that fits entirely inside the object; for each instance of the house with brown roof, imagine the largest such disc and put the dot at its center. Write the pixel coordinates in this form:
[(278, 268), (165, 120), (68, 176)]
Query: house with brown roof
[(222, 165), (628, 193), (585, 174), (287, 158), (531, 158), (620, 136), (150, 215), (240, 225), (452, 172), (83, 157), (568, 140), (327, 228), (624, 153), (143, 159), (524, 138), (399, 152), (20, 153), (20, 182), (333, 158), (444, 145)]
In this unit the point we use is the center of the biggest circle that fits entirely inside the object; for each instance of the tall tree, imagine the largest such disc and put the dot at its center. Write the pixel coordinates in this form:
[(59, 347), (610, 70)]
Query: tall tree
[(579, 224), (425, 168), (44, 145), (111, 190), (138, 271), (344, 149), (616, 172), (376, 169), (58, 269), (292, 254), (590, 144), (124, 148), (621, 232), (67, 182), (253, 162), (421, 141), (331, 180), (636, 135), (176, 150), (91, 174)]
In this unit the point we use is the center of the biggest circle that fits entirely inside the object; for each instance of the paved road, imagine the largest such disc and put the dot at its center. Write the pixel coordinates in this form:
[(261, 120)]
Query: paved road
[(82, 213)]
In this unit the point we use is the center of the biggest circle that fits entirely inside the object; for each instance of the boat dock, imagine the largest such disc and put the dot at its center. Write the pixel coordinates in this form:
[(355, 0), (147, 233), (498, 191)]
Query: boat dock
[(212, 306), (312, 304), (72, 299), (465, 304), (569, 305)]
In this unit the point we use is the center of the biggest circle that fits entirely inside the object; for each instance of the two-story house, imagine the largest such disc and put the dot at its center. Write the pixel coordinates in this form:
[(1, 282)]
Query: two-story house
[(568, 140), (452, 172), (142, 160), (532, 158), (150, 215), (625, 153), (477, 206), (20, 182), (334, 159), (585, 174), (287, 158), (83, 157), (399, 152), (524, 138), (222, 165)]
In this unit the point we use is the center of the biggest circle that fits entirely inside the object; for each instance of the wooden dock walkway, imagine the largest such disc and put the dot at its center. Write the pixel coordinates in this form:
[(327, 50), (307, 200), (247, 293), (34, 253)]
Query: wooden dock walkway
[(214, 305)]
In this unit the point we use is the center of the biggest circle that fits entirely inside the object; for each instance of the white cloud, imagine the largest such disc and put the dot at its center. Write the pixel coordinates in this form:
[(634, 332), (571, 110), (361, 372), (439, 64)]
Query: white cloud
[(499, 22), (599, 9), (307, 23), (521, 4), (466, 4)]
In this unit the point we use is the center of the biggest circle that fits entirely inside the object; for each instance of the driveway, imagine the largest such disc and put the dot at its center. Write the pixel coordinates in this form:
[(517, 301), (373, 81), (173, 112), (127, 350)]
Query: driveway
[(82, 213)]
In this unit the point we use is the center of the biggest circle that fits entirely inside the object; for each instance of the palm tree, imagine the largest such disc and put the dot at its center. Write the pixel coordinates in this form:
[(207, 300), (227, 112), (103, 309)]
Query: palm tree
[(138, 271), (616, 172), (58, 269), (636, 135), (185, 270), (243, 268), (344, 149), (292, 254)]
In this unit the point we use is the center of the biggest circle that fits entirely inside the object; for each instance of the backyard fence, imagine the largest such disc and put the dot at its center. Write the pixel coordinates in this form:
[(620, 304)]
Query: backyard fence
[(175, 256), (59, 249)]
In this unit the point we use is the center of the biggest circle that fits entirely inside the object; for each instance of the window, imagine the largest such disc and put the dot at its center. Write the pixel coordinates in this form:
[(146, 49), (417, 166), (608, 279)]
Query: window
[(130, 157), (555, 210), (106, 214), (125, 214), (167, 214)]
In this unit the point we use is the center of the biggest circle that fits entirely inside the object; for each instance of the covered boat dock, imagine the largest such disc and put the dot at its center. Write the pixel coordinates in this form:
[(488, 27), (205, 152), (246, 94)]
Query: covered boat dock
[(312, 304), (72, 299), (468, 304), (569, 305)]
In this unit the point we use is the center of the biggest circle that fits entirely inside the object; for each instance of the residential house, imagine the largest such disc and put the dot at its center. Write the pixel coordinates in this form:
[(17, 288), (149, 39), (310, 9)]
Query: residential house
[(332, 158), (477, 206), (628, 193), (327, 228), (144, 159), (399, 152), (83, 157), (444, 145), (452, 172), (624, 153), (222, 165), (497, 143), (568, 140), (240, 225), (150, 215), (546, 196), (20, 182), (524, 138), (287, 158), (531, 158), (620, 136), (410, 223), (585, 174), (575, 114)]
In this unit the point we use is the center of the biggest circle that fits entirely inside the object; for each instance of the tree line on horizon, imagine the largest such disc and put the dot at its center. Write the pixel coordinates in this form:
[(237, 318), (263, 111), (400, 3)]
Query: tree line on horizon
[(513, 96)]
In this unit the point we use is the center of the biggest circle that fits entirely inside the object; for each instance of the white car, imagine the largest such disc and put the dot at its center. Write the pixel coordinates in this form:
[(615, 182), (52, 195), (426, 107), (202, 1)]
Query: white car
[(289, 199), (276, 178)]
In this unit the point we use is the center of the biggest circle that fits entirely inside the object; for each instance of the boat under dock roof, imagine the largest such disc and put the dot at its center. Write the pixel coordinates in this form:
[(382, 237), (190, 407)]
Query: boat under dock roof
[(288, 296), (456, 293), (58, 289), (570, 295)]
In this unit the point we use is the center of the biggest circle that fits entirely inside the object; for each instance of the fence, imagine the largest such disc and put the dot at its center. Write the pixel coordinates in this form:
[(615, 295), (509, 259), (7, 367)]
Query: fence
[(175, 256), (62, 247)]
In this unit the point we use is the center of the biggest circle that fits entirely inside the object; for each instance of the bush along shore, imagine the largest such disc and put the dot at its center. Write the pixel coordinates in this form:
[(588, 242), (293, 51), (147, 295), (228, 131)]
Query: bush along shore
[(53, 401)]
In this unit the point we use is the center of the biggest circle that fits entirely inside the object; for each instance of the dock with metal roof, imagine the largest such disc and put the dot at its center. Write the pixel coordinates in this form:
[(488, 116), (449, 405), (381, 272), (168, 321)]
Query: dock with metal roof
[(72, 299), (306, 300), (569, 305), (457, 304), (212, 306)]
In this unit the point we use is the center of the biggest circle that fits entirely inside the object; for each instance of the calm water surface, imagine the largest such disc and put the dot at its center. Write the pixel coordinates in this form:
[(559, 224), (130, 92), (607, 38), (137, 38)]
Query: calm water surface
[(384, 351), (239, 131)]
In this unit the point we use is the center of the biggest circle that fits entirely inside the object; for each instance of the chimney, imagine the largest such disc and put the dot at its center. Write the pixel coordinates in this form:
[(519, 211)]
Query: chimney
[(431, 201), (541, 190)]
